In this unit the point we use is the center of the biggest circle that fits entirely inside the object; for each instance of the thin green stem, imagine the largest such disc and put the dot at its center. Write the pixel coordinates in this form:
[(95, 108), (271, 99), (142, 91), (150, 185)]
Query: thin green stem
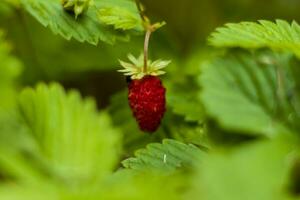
[(146, 48), (148, 29)]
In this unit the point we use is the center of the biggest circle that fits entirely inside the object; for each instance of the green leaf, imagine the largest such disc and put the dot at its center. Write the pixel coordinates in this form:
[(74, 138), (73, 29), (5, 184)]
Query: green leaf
[(248, 93), (35, 192), (182, 88), (15, 166), (73, 138), (120, 18), (167, 156), (86, 28), (147, 185), (254, 171), (278, 36)]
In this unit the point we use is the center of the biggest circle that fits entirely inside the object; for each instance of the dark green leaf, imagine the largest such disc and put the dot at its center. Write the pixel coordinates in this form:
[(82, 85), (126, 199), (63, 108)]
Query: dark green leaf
[(86, 28)]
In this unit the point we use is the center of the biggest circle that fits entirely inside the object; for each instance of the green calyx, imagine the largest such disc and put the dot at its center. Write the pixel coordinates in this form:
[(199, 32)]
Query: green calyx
[(136, 71), (76, 6)]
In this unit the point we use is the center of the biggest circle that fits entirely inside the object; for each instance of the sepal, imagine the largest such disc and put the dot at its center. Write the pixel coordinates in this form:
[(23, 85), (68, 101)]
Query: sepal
[(135, 70)]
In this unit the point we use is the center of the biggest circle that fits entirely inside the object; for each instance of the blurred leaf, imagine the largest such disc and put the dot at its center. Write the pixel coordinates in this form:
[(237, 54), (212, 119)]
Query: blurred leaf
[(120, 18), (182, 88), (167, 156), (38, 192), (189, 132), (242, 93), (74, 139), (10, 68), (86, 28), (133, 185), (15, 166), (295, 93), (277, 36), (186, 105), (46, 61), (6, 8), (255, 171)]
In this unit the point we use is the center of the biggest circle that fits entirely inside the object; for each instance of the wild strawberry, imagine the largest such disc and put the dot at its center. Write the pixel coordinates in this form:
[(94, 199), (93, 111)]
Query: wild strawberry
[(146, 92), (147, 101)]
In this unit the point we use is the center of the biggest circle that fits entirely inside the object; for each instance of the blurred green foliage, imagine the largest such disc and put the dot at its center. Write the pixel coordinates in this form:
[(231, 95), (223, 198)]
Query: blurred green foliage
[(231, 130)]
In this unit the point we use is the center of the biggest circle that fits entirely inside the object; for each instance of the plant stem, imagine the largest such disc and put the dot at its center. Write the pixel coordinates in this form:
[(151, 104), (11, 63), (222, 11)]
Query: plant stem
[(146, 47), (148, 29)]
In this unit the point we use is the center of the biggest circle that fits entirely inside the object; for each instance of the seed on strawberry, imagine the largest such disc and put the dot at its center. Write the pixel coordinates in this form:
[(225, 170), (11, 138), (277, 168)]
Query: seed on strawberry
[(146, 95), (147, 101)]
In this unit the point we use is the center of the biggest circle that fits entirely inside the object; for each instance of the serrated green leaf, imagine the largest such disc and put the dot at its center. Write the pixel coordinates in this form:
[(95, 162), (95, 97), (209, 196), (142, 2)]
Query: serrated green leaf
[(75, 140), (254, 171), (168, 156), (86, 28), (120, 18), (251, 35), (243, 94)]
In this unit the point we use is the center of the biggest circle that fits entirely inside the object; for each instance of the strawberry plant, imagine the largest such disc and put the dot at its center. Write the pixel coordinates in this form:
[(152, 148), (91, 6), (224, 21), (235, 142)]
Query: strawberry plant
[(202, 109)]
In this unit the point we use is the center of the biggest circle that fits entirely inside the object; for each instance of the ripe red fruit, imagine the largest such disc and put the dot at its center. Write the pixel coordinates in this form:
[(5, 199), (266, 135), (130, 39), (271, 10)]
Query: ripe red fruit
[(147, 95), (148, 102)]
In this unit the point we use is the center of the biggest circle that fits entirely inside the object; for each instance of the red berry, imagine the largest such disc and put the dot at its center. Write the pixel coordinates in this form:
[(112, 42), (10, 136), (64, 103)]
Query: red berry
[(148, 102)]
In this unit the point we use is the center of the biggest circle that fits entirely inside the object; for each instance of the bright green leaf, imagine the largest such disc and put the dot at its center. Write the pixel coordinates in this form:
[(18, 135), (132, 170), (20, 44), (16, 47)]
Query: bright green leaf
[(75, 140), (120, 18), (167, 156), (251, 35)]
